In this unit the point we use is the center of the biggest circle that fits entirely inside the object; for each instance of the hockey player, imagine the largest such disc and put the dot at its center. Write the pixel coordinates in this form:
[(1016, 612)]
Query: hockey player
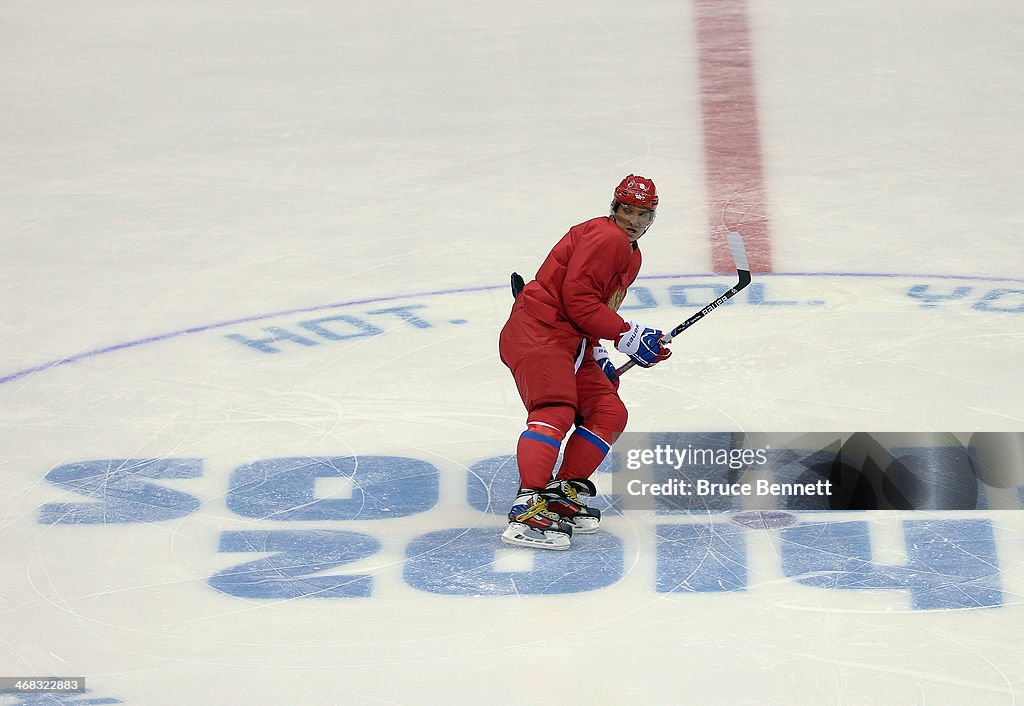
[(551, 343)]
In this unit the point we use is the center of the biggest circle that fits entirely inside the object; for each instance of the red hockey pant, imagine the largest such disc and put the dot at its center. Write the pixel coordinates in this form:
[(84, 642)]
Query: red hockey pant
[(556, 396)]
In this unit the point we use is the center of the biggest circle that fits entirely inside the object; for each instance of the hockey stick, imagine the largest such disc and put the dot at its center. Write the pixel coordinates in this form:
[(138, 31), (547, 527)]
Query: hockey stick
[(739, 257)]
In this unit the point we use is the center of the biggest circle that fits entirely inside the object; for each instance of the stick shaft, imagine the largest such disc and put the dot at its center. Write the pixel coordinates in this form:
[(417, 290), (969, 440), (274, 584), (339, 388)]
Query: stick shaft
[(739, 256)]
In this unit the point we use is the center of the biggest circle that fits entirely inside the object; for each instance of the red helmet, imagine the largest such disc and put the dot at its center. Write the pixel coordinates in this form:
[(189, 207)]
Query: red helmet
[(638, 191)]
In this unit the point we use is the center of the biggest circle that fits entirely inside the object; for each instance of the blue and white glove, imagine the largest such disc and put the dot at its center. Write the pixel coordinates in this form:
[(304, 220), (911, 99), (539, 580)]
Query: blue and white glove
[(642, 345), (607, 366)]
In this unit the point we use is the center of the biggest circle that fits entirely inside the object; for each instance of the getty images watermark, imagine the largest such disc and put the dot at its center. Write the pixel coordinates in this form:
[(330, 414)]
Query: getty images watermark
[(731, 471), (667, 456), (689, 475)]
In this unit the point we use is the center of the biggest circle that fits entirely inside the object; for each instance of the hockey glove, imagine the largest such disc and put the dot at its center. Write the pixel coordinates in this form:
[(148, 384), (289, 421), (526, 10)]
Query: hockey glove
[(607, 366), (642, 345)]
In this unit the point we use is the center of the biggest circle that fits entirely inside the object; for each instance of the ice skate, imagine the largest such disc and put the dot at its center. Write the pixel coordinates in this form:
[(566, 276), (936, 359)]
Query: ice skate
[(532, 524), (565, 499)]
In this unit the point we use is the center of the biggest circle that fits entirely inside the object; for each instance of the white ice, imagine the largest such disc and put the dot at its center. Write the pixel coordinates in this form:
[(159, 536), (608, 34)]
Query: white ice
[(177, 173)]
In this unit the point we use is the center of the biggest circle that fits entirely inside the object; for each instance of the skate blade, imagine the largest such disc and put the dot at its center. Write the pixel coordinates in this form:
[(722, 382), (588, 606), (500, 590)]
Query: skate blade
[(523, 536), (579, 527)]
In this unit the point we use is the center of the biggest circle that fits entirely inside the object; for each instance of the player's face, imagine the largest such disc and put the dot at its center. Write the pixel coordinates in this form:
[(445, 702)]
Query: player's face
[(633, 220)]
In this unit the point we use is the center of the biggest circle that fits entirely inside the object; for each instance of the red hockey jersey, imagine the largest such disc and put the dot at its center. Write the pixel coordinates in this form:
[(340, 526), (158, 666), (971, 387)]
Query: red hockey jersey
[(584, 279)]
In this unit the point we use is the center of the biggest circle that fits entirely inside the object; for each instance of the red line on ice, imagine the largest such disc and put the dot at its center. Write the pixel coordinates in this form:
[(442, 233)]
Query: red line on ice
[(732, 143)]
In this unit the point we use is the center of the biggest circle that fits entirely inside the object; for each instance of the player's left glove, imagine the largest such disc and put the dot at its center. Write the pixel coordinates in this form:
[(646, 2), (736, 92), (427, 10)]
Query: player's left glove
[(607, 366), (642, 344)]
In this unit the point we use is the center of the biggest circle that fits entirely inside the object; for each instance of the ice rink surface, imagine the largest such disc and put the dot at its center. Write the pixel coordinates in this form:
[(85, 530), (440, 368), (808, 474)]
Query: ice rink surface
[(255, 434)]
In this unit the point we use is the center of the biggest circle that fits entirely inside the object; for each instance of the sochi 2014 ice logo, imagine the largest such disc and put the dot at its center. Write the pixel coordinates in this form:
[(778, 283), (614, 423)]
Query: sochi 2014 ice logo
[(950, 562)]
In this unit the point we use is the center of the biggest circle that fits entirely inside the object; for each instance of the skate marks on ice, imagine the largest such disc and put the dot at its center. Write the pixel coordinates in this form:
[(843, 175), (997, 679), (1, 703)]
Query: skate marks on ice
[(266, 504)]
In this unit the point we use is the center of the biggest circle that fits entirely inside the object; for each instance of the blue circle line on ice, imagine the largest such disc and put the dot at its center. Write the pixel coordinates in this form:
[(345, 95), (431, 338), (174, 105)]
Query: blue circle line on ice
[(85, 355)]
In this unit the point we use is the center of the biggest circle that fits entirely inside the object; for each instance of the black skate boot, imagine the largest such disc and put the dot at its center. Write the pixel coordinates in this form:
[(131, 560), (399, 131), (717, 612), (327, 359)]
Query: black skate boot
[(565, 499)]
